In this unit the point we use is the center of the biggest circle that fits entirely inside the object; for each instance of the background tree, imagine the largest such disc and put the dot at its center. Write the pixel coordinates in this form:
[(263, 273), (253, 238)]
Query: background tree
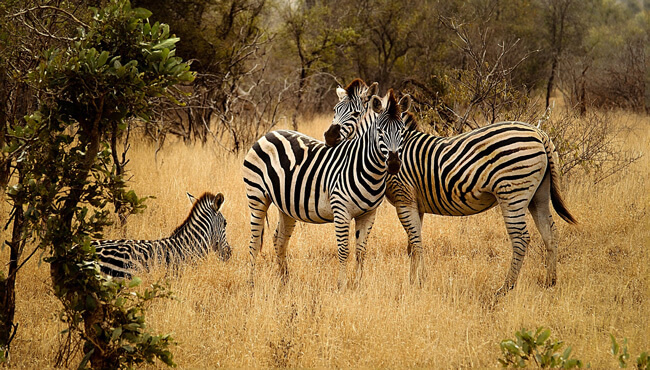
[(64, 175)]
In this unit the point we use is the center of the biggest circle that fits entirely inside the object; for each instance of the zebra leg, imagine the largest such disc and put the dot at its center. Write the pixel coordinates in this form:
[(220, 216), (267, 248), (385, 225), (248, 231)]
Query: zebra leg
[(281, 240), (540, 210), (342, 229), (514, 215), (258, 206), (411, 220), (363, 225)]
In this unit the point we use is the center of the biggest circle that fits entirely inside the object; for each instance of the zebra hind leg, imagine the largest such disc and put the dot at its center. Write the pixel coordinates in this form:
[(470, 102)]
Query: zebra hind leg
[(258, 207), (363, 225), (540, 210), (342, 230), (514, 215), (281, 238)]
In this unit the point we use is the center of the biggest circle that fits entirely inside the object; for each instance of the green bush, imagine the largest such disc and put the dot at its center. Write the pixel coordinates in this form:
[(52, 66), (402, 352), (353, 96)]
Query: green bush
[(536, 349), (622, 355)]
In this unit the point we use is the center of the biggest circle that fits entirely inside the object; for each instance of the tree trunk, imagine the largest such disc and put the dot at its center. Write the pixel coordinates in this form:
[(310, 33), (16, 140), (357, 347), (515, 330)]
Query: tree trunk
[(8, 285), (551, 80), (94, 312), (582, 93), (301, 87), (119, 171)]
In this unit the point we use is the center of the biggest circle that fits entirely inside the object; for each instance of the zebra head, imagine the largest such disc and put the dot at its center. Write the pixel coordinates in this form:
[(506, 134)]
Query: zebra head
[(352, 105), (390, 126), (210, 222)]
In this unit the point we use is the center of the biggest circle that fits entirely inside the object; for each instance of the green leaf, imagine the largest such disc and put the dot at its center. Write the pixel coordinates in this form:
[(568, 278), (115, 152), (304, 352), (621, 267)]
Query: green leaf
[(103, 57), (117, 332), (614, 345), (510, 346), (85, 359), (543, 337), (166, 44), (136, 281), (142, 13)]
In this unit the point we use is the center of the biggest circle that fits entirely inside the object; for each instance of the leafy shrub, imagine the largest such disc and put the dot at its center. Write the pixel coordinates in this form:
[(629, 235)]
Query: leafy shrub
[(622, 355), (536, 349)]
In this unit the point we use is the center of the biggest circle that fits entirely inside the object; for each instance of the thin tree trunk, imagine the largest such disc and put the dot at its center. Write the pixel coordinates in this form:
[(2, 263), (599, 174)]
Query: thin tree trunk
[(8, 285), (551, 81)]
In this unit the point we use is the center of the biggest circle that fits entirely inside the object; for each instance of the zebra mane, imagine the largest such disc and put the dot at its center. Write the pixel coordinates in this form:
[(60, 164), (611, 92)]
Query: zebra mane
[(205, 198), (354, 88), (410, 124), (392, 108)]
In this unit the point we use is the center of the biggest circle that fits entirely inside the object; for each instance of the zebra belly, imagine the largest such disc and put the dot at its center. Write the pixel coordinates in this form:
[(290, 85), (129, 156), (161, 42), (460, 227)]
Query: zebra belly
[(470, 204), (309, 211)]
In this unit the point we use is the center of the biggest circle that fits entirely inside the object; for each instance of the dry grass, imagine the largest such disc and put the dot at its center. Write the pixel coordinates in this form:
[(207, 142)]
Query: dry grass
[(218, 320)]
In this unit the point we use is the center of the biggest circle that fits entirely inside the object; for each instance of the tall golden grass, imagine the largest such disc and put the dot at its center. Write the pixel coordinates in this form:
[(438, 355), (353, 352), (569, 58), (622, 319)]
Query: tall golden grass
[(219, 320)]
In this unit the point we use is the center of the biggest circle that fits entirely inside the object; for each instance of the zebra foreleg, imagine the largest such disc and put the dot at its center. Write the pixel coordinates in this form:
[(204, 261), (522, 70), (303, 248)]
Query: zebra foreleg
[(411, 220), (342, 229), (258, 207), (281, 238), (363, 225)]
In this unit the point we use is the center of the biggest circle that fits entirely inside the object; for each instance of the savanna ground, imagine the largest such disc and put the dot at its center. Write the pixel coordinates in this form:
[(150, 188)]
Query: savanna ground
[(452, 321)]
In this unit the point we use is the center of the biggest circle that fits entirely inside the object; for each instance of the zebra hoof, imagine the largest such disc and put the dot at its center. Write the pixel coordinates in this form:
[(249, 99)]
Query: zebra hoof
[(501, 292), (549, 283)]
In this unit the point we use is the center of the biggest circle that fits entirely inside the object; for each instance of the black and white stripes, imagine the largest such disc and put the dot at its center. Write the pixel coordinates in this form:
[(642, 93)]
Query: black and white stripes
[(311, 182), (511, 164), (204, 230)]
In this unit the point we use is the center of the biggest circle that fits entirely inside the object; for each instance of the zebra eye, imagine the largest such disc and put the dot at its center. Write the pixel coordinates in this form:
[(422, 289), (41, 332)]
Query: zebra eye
[(356, 114)]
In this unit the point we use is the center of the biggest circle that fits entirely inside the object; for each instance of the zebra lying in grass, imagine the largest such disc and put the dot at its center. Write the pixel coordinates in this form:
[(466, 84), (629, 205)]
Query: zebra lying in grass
[(511, 164), (203, 231)]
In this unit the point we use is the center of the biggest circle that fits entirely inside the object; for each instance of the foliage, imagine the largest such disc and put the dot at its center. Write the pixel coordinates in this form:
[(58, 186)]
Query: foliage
[(467, 63), (230, 97), (591, 143), (535, 348), (622, 355), (123, 328), (66, 178)]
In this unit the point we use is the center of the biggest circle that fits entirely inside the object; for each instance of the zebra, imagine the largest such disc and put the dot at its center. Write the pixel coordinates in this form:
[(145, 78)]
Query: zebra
[(512, 164), (310, 182), (203, 230)]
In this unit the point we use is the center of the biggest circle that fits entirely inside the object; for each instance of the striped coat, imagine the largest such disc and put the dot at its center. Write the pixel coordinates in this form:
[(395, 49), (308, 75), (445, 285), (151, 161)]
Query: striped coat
[(311, 182), (203, 231)]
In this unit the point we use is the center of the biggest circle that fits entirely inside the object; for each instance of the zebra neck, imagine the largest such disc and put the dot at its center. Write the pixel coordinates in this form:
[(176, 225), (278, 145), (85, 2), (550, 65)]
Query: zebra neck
[(187, 238)]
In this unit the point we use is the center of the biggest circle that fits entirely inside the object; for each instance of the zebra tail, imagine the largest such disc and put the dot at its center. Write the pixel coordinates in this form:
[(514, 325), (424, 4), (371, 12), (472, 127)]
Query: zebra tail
[(556, 198)]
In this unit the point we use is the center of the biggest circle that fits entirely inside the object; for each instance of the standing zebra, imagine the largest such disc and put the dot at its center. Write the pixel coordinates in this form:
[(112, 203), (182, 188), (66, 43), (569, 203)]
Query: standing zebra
[(203, 230), (512, 164), (311, 182)]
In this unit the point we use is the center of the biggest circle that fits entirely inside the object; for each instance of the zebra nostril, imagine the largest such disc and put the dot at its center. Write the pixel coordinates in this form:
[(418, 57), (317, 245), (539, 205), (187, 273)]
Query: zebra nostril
[(394, 163)]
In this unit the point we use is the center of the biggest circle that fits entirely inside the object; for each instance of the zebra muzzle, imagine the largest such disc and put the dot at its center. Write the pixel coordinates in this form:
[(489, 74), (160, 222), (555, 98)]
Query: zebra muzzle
[(333, 135), (393, 163)]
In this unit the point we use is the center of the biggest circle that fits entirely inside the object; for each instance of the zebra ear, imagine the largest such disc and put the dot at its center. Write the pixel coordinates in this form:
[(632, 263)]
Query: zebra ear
[(405, 103), (372, 90), (376, 104), (218, 201), (342, 94), (191, 198)]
